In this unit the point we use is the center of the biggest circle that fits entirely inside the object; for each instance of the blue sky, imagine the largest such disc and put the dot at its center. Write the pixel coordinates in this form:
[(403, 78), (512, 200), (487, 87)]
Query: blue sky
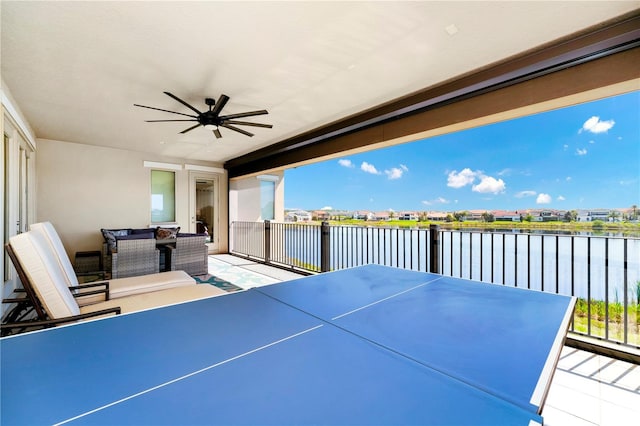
[(585, 156)]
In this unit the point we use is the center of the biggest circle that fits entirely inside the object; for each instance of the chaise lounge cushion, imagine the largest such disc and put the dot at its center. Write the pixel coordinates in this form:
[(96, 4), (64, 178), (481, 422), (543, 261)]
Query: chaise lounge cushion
[(121, 287), (43, 270), (157, 299)]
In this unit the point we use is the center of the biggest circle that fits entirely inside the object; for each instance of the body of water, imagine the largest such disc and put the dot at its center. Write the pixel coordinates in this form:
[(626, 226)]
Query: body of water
[(582, 265)]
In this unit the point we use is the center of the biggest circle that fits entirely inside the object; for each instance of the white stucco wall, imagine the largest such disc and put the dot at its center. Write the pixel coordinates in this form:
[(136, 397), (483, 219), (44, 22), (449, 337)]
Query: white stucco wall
[(244, 198), (83, 188)]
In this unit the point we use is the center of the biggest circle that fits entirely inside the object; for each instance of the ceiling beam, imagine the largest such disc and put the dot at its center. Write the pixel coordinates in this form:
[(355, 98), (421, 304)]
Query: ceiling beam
[(597, 57)]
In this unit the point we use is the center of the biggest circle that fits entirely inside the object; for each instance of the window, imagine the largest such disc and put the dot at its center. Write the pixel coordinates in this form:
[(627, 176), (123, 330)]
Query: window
[(267, 199), (163, 196)]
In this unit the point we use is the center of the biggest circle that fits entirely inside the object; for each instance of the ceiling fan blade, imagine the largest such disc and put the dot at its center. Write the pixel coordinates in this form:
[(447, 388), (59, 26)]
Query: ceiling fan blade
[(235, 129), (222, 101), (172, 112), (244, 114), (163, 121), (248, 123), (190, 128), (217, 133), (182, 102)]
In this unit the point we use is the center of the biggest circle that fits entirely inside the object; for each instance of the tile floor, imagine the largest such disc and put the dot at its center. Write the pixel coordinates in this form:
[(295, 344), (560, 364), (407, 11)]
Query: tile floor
[(586, 390)]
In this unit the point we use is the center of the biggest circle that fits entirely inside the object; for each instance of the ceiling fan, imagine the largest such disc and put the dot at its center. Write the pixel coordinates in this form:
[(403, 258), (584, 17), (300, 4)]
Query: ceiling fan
[(212, 117)]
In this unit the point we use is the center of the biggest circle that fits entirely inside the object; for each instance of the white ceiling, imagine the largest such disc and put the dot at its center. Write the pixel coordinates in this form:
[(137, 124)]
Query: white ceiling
[(75, 69)]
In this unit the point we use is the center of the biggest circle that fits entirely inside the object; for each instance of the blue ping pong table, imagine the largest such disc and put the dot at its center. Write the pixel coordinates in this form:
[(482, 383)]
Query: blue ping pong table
[(367, 345)]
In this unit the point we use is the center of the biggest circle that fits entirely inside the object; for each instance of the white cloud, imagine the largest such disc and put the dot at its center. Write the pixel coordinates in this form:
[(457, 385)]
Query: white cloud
[(595, 125), (565, 146), (463, 178), (505, 172), (396, 172), (543, 199), (327, 208), (523, 194), (581, 151), (439, 200), (568, 179), (369, 168), (489, 184), (346, 163), (560, 198)]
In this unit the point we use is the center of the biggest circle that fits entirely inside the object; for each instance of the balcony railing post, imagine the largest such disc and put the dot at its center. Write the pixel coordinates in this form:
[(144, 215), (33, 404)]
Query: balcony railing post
[(325, 244), (434, 249), (267, 241)]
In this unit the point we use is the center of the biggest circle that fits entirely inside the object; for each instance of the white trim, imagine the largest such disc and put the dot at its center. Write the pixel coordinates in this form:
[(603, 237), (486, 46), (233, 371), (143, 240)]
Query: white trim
[(13, 113), (157, 165), (203, 168), (269, 178)]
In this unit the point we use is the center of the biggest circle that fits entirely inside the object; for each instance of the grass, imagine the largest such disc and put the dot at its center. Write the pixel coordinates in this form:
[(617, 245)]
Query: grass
[(595, 313)]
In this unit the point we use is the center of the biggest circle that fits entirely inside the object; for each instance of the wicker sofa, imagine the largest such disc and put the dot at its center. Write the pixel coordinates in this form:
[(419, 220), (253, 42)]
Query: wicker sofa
[(129, 252)]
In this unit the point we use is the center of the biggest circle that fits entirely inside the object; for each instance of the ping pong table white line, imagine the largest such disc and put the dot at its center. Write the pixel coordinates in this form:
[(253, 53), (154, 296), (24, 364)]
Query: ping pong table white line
[(386, 298), (186, 376)]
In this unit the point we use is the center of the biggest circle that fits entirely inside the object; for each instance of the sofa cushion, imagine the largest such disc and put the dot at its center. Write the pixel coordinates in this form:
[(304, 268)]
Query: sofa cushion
[(142, 230), (166, 233), (146, 236), (187, 234)]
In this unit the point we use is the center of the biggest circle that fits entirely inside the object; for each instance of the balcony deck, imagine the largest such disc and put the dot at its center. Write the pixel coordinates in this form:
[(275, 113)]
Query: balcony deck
[(587, 389)]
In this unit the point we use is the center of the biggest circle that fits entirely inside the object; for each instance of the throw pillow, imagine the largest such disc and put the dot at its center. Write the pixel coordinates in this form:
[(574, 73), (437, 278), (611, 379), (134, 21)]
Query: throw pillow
[(166, 233), (110, 236)]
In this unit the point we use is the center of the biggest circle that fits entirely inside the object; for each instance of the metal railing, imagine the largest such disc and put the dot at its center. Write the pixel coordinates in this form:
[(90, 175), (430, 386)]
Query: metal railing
[(602, 272)]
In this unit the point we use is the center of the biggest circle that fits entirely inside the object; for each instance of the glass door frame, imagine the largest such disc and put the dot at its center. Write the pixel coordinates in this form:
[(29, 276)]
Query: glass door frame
[(214, 227)]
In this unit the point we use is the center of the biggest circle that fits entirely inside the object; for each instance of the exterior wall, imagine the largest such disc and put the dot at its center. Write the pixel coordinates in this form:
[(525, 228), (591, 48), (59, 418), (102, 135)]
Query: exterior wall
[(83, 188), (244, 199)]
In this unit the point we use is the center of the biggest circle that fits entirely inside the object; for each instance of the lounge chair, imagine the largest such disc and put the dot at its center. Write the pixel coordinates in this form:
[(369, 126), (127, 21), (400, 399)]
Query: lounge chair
[(119, 287), (55, 303)]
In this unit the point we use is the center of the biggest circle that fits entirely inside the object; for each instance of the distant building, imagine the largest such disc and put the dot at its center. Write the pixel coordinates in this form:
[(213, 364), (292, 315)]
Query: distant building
[(363, 215), (506, 216), (595, 214), (381, 216), (441, 216), (297, 216), (407, 215), (321, 215)]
